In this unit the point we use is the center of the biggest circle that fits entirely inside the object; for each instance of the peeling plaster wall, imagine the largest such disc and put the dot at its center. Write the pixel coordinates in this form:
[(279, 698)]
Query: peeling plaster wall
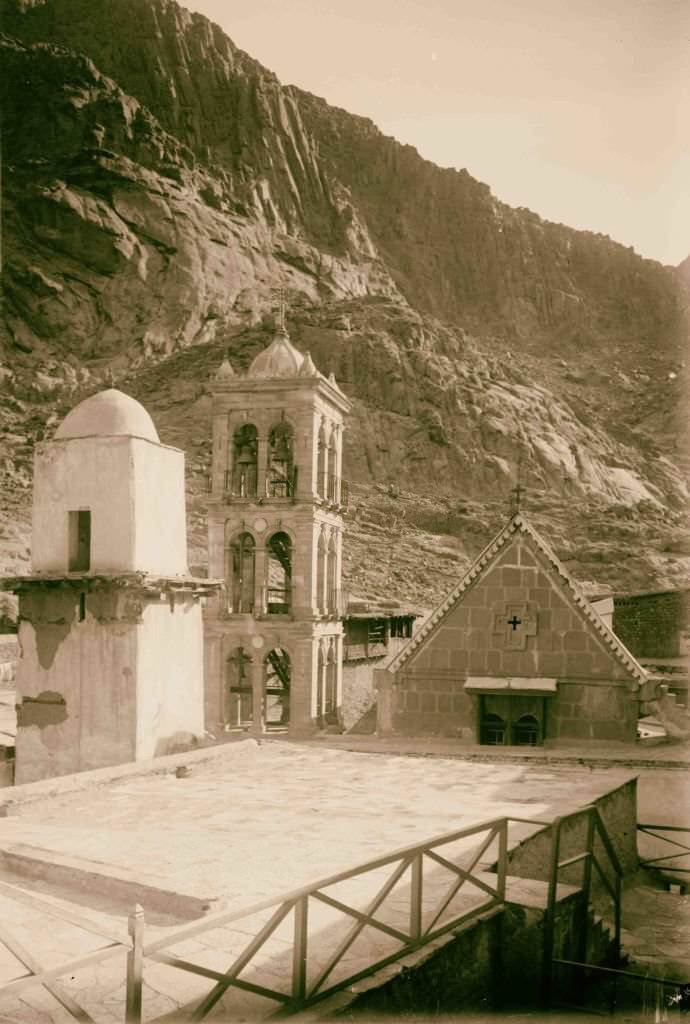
[(596, 697), (91, 667), (170, 692)]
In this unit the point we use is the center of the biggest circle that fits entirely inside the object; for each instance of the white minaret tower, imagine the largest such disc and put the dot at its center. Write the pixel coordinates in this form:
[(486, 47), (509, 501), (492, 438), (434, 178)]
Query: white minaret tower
[(110, 620)]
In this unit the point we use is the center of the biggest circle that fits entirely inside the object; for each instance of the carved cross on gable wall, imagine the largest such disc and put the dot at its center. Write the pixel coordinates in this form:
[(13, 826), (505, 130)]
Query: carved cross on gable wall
[(515, 623)]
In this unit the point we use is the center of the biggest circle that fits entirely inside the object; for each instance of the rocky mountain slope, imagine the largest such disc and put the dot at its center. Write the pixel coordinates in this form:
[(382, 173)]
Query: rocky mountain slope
[(159, 185)]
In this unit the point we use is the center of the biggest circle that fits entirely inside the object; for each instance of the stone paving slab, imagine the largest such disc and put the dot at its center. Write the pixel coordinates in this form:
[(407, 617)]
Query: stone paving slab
[(285, 815)]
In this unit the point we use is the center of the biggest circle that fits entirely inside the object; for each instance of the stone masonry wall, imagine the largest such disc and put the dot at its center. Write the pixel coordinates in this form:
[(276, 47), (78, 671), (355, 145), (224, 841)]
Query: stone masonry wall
[(595, 698), (650, 625)]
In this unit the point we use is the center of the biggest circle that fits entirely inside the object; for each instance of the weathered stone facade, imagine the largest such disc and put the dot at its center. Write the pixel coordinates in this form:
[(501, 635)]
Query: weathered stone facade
[(654, 625), (514, 648), (273, 640)]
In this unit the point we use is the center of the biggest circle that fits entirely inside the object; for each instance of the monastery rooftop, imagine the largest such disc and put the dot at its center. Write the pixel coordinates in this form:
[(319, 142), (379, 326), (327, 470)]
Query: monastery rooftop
[(257, 820)]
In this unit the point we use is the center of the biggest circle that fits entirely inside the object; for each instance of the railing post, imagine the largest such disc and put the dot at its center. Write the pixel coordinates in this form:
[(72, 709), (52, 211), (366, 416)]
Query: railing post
[(135, 966), (416, 892), (299, 950), (617, 924), (502, 859), (587, 885), (550, 915)]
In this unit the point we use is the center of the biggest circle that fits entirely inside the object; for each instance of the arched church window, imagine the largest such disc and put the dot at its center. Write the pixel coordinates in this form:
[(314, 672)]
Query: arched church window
[(240, 574), (320, 684), (332, 574), (322, 463), (244, 461), (332, 468), (331, 694), (493, 730), (321, 559), (279, 574), (526, 731), (281, 465)]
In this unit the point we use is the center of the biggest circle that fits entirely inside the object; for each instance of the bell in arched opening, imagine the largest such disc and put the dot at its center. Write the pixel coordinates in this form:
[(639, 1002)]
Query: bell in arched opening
[(280, 479), (244, 464)]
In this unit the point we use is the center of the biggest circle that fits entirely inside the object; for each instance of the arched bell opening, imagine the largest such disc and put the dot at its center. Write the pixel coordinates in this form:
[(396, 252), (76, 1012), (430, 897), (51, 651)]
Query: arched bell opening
[(245, 461), (277, 674), (240, 574), (332, 468), (320, 685), (238, 710), (321, 576), (279, 574), (333, 593), (282, 472), (322, 464), (330, 709)]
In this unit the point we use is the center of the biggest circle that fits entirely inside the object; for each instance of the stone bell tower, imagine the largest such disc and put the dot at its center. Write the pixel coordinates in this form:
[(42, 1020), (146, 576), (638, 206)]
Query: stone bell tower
[(273, 641), (110, 620)]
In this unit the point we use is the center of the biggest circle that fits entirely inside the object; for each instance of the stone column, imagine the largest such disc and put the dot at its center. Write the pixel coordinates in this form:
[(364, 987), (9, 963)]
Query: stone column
[(302, 684), (338, 469), (261, 464), (339, 570), (339, 679), (311, 484), (257, 726), (383, 684), (219, 454)]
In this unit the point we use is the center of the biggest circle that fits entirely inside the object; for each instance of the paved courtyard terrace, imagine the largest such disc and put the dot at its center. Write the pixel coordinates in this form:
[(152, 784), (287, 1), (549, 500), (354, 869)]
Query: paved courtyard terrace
[(247, 823), (265, 819)]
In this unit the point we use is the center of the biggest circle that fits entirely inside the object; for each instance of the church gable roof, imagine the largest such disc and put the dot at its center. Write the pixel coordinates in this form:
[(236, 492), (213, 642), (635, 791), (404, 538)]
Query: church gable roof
[(490, 558)]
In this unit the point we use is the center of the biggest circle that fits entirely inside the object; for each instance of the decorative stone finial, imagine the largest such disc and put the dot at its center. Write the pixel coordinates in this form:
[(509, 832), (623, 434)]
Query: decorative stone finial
[(308, 369), (281, 327), (225, 370)]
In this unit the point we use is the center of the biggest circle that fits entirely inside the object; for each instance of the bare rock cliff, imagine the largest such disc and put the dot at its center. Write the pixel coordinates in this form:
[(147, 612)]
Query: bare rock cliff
[(159, 184)]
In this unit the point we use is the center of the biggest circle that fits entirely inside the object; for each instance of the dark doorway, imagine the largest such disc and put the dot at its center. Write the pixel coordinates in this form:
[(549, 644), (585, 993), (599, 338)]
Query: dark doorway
[(493, 730), (512, 719), (79, 558)]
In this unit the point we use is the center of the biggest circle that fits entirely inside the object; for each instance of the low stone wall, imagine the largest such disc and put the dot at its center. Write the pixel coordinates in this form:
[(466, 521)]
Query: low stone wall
[(12, 798), (618, 808), (493, 965)]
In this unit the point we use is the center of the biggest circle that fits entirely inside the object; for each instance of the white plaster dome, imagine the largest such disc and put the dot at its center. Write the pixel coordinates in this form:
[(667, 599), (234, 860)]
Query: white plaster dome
[(280, 359), (107, 414)]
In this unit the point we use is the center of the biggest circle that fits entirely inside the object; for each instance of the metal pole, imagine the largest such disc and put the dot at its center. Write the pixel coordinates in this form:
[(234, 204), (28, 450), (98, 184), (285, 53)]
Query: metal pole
[(135, 966)]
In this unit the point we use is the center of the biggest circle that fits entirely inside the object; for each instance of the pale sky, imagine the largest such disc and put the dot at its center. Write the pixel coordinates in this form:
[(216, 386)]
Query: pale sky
[(577, 109)]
